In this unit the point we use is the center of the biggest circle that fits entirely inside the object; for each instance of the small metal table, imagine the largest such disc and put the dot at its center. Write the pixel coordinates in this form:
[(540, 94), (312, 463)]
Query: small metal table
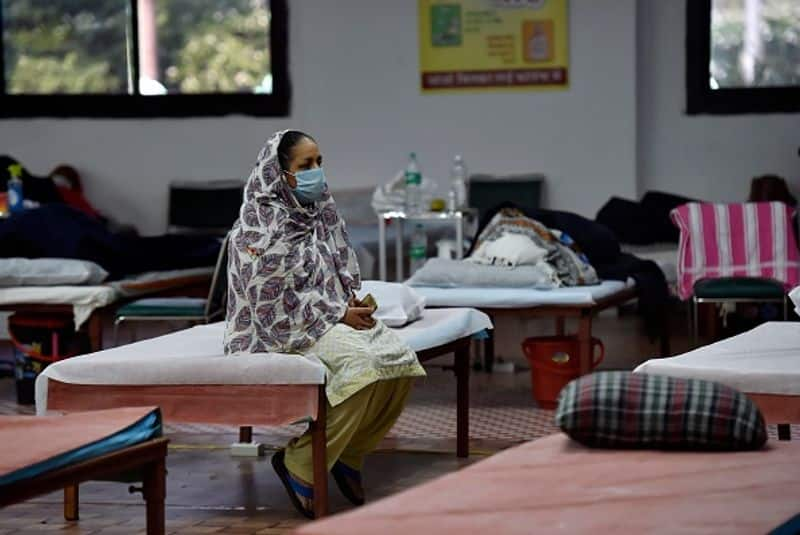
[(457, 217)]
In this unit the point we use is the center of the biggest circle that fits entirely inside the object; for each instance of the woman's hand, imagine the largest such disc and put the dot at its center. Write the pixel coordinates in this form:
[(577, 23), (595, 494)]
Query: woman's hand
[(359, 318)]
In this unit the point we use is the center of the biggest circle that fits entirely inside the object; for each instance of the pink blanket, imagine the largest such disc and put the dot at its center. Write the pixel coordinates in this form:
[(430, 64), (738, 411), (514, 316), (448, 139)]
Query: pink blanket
[(735, 240), (554, 485), (27, 440)]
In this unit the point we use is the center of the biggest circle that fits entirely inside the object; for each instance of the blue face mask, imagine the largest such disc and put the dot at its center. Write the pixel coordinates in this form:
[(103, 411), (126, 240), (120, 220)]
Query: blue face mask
[(310, 185)]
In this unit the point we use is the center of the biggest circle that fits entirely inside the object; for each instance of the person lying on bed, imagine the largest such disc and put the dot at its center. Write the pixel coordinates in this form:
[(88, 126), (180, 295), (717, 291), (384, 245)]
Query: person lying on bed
[(291, 289)]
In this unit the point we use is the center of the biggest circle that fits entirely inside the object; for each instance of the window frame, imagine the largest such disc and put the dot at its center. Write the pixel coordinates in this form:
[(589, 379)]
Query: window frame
[(276, 104), (701, 99)]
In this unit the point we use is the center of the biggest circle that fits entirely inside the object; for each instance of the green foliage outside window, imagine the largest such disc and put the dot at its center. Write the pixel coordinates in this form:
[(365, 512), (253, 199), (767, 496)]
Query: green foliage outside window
[(779, 32), (82, 46)]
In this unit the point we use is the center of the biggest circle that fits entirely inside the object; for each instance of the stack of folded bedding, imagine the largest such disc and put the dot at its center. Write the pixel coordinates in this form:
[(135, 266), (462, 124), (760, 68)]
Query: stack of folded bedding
[(513, 251)]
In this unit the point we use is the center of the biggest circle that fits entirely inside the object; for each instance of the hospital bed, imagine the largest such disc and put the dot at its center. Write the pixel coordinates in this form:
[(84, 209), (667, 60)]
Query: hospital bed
[(86, 303), (764, 363), (187, 375), (580, 302), (554, 485), (42, 455)]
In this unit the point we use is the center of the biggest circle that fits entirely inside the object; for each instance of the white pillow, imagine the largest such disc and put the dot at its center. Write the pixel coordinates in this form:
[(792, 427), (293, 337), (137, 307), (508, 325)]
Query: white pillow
[(448, 273), (398, 304), (49, 272)]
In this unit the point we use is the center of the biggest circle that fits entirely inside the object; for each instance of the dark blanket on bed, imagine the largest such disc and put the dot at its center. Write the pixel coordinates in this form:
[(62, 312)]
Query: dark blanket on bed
[(644, 222), (603, 250), (59, 231)]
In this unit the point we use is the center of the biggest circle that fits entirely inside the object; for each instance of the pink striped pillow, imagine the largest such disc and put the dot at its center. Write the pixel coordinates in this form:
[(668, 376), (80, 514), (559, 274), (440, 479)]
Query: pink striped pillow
[(735, 240)]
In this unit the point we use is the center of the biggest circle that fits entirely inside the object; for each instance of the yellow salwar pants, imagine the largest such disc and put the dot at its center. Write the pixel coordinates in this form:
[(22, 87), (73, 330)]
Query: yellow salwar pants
[(354, 427)]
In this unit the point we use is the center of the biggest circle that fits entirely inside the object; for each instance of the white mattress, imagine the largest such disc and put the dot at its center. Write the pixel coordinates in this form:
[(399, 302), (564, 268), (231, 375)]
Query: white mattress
[(442, 326), (519, 297), (86, 299), (765, 360), (195, 357)]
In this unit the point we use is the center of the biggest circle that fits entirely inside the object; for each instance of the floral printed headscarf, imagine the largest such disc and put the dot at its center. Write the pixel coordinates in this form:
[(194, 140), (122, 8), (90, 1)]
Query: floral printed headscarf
[(291, 269)]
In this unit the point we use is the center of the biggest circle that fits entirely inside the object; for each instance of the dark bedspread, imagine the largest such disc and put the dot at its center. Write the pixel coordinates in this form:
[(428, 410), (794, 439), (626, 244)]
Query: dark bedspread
[(59, 231)]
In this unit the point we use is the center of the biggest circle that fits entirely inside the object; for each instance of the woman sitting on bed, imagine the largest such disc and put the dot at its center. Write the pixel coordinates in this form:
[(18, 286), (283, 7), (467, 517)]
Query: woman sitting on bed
[(291, 289)]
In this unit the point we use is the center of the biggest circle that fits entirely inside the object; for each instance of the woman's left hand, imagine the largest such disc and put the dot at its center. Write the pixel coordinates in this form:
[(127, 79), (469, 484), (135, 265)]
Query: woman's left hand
[(359, 318)]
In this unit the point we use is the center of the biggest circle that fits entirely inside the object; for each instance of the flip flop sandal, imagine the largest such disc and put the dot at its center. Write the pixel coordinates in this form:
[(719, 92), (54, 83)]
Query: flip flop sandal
[(343, 475), (293, 487)]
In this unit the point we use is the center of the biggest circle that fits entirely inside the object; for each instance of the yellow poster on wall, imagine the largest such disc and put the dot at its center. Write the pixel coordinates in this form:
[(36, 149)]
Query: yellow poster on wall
[(469, 45)]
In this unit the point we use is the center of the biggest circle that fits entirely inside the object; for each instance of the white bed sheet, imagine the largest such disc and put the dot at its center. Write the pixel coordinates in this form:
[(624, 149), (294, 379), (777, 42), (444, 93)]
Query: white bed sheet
[(194, 357), (519, 297), (84, 299), (765, 360)]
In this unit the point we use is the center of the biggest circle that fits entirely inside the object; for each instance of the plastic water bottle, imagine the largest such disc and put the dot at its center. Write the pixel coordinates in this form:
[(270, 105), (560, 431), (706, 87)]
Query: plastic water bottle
[(458, 182), (16, 199), (419, 248), (413, 186)]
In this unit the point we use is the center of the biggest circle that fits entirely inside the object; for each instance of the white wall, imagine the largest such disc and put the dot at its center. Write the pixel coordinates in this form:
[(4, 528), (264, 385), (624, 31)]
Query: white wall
[(707, 157), (354, 67)]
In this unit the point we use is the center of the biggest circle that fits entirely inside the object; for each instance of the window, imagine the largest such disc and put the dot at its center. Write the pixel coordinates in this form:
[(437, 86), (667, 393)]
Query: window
[(143, 58), (743, 56)]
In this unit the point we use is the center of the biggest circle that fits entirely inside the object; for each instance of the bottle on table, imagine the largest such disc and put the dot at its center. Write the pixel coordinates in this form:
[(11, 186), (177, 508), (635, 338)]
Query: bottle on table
[(413, 186), (419, 248), (16, 199), (452, 204), (458, 182)]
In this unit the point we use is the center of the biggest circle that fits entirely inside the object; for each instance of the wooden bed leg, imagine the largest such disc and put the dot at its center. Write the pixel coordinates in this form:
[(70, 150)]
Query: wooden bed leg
[(71, 501), (95, 328), (710, 316), (784, 432), (585, 342), (245, 434), (319, 456), (462, 402), (560, 325), (666, 330), (155, 494), (488, 351)]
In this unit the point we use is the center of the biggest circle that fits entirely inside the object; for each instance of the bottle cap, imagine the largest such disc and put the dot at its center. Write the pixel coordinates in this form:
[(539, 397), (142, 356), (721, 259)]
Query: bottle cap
[(15, 170)]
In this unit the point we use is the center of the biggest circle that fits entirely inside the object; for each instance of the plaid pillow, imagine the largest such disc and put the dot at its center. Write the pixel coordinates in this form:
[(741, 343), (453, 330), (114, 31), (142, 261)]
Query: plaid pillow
[(622, 409)]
